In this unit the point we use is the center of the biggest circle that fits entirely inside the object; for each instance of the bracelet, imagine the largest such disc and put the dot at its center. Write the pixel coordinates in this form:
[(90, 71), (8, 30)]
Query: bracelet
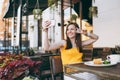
[(45, 29), (88, 33)]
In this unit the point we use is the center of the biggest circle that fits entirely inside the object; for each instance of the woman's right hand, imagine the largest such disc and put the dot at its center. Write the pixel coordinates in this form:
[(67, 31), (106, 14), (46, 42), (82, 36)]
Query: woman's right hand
[(46, 25)]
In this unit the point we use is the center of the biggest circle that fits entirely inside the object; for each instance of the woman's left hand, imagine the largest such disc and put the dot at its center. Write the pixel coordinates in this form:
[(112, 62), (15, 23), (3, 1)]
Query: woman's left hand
[(84, 31)]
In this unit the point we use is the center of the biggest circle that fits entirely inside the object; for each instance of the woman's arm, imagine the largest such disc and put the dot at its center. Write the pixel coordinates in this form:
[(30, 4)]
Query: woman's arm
[(47, 45), (92, 38)]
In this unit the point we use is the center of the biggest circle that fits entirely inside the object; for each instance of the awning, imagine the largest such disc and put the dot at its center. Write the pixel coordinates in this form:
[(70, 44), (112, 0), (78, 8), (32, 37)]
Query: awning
[(30, 5), (8, 10)]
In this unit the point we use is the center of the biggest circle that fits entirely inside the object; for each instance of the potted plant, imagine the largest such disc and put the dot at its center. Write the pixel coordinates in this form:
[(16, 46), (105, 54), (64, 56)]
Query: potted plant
[(37, 11), (73, 17), (93, 11)]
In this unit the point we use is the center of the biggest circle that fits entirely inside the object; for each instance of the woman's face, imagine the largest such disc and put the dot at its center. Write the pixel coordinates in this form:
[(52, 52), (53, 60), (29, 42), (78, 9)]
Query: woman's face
[(71, 31)]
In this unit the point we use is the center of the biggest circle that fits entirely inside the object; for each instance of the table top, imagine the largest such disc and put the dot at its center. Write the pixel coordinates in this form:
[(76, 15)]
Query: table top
[(113, 71), (40, 54)]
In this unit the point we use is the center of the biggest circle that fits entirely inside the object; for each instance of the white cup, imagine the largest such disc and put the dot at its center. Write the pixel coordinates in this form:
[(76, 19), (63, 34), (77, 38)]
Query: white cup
[(114, 58)]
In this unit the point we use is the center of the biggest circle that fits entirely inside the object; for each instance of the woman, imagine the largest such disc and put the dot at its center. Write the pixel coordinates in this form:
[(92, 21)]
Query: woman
[(71, 48)]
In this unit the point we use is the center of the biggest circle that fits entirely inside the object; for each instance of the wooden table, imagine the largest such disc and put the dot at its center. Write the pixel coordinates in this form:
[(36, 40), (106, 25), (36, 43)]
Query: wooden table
[(106, 73)]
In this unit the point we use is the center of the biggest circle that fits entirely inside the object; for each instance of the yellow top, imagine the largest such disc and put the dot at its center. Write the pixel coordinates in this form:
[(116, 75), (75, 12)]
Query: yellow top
[(70, 55)]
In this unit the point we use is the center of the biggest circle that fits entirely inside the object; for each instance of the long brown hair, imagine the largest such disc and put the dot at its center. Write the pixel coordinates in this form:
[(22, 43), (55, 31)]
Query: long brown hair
[(78, 38)]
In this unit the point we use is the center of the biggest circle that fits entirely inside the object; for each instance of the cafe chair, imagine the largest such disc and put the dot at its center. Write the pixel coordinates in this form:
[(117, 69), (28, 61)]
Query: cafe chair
[(104, 52), (56, 68), (55, 71), (88, 54)]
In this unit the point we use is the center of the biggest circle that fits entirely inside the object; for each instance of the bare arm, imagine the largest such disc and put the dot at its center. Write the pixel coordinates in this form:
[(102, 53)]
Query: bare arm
[(93, 38), (47, 45), (52, 46)]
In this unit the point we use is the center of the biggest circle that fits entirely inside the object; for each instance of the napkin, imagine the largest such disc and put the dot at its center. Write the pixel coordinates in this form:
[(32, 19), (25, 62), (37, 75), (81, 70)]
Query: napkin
[(86, 76)]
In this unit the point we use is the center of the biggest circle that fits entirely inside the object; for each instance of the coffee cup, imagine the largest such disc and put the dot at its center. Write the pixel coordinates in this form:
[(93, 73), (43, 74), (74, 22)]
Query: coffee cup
[(114, 58)]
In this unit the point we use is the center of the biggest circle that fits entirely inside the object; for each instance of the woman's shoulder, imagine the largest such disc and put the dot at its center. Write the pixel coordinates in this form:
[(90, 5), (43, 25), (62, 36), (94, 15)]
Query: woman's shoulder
[(63, 42)]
